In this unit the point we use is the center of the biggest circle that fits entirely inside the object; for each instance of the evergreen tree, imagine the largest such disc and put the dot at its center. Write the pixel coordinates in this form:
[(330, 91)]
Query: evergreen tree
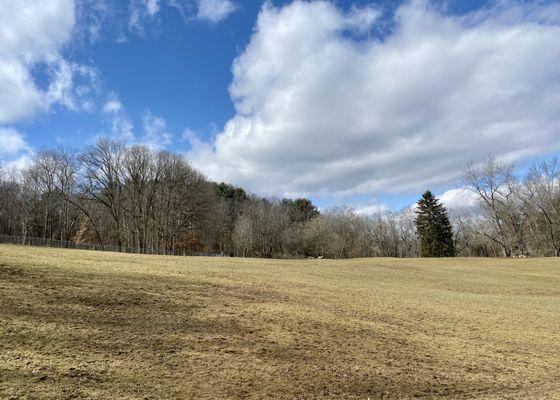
[(434, 229), (300, 210)]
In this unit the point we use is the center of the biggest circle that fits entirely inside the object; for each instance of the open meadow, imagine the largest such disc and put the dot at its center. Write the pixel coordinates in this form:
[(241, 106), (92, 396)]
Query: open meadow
[(91, 325)]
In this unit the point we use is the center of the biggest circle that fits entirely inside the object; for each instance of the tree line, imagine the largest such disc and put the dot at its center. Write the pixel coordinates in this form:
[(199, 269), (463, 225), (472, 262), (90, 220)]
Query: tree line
[(130, 196)]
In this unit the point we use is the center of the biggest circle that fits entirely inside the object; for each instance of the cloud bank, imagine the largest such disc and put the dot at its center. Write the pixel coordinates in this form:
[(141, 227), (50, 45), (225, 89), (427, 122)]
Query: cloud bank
[(322, 107)]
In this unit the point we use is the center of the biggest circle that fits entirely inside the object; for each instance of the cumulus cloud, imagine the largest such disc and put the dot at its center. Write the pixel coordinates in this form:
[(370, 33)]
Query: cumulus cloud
[(322, 107), (362, 18), (214, 10), (460, 198), (32, 35)]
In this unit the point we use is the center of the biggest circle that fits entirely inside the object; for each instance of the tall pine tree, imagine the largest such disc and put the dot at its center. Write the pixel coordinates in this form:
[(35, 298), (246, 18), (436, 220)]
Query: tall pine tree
[(434, 229)]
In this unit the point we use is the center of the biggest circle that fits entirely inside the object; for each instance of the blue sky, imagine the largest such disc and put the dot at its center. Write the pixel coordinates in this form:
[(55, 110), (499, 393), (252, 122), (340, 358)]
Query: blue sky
[(347, 102)]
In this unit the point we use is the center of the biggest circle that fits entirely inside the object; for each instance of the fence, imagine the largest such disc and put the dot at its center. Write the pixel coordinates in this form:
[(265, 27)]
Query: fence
[(64, 244)]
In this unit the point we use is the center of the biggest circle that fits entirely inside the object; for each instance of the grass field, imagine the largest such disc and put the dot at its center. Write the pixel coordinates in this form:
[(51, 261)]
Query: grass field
[(79, 325)]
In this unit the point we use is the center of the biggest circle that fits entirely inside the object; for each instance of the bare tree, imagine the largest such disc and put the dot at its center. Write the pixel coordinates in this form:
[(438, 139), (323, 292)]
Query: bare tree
[(542, 200), (102, 183), (319, 238), (243, 235), (498, 190), (135, 197)]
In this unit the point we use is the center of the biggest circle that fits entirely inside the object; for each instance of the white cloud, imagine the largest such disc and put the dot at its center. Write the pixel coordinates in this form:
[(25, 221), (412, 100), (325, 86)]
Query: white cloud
[(135, 21), (12, 142), (140, 12), (19, 163), (32, 34), (155, 132), (320, 111), (121, 126), (71, 85), (152, 6), (92, 18), (372, 209), (15, 152), (459, 199), (154, 128), (362, 18), (145, 13), (214, 10), (112, 106)]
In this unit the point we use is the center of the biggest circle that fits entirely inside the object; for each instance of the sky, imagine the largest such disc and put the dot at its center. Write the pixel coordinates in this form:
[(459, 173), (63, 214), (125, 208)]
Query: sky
[(362, 103)]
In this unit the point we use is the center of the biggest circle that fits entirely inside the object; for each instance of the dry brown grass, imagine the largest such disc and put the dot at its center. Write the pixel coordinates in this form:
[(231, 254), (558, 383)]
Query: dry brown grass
[(78, 324)]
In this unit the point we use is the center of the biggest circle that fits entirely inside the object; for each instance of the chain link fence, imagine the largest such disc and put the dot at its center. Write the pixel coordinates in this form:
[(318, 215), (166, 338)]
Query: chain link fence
[(64, 244)]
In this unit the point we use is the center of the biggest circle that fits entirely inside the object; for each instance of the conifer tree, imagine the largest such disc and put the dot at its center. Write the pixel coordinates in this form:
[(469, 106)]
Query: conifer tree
[(434, 229)]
